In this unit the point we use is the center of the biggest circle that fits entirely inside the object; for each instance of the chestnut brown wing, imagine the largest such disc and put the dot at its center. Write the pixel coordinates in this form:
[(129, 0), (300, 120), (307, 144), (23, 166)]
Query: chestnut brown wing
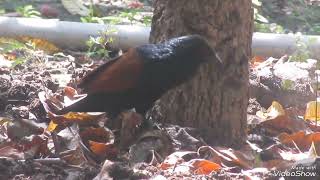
[(116, 75)]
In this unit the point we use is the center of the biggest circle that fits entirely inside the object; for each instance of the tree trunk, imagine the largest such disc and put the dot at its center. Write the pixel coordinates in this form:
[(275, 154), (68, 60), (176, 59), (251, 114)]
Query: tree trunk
[(215, 100)]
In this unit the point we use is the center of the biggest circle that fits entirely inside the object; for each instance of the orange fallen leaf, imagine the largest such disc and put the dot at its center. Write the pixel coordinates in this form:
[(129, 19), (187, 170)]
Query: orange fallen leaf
[(100, 134), (98, 148), (71, 117), (70, 92), (39, 43), (10, 56), (100, 141), (301, 139), (74, 117), (278, 120), (256, 60), (103, 149), (203, 166)]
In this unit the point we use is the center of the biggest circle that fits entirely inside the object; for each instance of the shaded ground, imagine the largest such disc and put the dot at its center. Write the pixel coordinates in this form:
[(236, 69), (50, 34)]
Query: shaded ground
[(81, 147)]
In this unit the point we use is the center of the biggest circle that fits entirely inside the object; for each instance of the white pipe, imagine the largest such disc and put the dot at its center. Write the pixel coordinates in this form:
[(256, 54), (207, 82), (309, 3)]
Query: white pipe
[(277, 45), (74, 35)]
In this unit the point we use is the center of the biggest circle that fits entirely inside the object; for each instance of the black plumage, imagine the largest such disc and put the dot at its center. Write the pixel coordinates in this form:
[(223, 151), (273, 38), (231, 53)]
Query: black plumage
[(142, 75)]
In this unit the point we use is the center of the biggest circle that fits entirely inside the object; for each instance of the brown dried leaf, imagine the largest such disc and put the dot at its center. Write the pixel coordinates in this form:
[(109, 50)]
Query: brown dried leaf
[(9, 149), (104, 149), (72, 117), (302, 140), (227, 157), (174, 159)]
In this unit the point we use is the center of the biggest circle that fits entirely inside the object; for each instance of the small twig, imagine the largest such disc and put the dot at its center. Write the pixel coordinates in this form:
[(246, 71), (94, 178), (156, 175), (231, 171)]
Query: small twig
[(16, 101), (47, 161), (174, 167), (296, 146)]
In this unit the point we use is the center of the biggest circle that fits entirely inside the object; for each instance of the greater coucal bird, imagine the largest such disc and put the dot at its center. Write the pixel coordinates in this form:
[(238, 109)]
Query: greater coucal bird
[(142, 75)]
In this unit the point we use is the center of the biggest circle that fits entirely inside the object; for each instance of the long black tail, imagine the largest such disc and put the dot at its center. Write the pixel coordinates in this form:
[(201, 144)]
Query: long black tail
[(95, 103)]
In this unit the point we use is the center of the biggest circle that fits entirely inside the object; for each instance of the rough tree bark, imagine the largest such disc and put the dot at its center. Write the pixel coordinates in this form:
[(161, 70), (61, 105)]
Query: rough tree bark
[(215, 100)]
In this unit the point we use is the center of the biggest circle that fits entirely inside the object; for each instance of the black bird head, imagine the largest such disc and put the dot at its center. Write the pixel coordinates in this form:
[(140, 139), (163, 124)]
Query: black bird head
[(196, 47)]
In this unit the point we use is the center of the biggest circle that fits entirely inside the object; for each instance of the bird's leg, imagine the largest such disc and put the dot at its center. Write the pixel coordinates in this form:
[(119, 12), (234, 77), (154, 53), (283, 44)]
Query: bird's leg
[(143, 109), (147, 122), (113, 119)]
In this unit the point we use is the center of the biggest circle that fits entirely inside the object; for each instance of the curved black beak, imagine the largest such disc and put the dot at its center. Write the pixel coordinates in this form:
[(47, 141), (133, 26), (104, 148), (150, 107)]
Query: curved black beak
[(213, 56), (216, 57)]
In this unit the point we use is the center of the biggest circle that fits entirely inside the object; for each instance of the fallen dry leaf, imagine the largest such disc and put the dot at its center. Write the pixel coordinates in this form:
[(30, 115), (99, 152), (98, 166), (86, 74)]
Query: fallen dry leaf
[(72, 117), (34, 146), (302, 140), (202, 166), (273, 111), (174, 159), (256, 60), (74, 157), (226, 156), (100, 134), (100, 142), (70, 92), (109, 151), (312, 111), (42, 44), (9, 149), (277, 120), (313, 125)]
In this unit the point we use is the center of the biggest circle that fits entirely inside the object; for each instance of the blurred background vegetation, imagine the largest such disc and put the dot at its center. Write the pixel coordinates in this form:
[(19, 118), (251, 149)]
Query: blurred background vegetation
[(274, 16)]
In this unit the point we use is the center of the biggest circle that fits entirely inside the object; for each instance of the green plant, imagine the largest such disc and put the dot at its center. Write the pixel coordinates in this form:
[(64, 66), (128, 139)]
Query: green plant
[(12, 48), (135, 16), (302, 53), (28, 11), (97, 45), (8, 45), (2, 11), (287, 84), (294, 15), (268, 28), (92, 19), (147, 20), (93, 16), (261, 23), (18, 52), (131, 16), (18, 61)]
